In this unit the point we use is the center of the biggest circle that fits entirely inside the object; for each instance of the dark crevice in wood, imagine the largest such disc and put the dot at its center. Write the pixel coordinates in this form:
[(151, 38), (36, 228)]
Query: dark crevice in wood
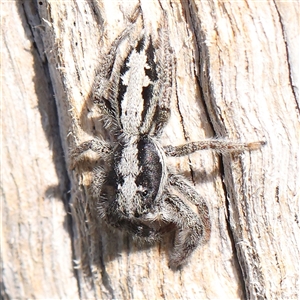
[(288, 59), (237, 264), (201, 48), (31, 19)]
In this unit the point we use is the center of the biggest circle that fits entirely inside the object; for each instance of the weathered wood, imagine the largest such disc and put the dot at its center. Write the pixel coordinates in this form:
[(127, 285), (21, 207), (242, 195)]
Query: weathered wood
[(237, 77), (36, 250)]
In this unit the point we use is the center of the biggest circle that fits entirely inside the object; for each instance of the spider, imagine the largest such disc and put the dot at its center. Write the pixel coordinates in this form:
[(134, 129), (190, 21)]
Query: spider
[(134, 189)]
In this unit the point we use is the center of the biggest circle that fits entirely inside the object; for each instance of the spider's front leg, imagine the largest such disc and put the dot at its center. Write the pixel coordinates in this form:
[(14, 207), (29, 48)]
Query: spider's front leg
[(184, 187), (190, 230), (134, 227)]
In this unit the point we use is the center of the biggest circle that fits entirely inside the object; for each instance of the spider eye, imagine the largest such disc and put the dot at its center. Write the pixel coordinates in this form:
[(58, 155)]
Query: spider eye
[(144, 193)]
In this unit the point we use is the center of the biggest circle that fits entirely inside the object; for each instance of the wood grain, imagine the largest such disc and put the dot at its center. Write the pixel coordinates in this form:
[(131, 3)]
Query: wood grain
[(237, 77)]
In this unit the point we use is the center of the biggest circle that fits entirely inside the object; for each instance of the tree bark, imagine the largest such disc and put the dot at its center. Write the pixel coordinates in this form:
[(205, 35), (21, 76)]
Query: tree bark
[(237, 77), (36, 244)]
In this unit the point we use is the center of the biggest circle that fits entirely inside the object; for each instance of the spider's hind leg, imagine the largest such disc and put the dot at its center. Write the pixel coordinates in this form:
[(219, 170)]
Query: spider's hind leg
[(99, 146)]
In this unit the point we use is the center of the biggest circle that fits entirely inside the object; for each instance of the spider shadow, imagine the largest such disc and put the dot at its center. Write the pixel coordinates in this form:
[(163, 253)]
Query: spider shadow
[(114, 244)]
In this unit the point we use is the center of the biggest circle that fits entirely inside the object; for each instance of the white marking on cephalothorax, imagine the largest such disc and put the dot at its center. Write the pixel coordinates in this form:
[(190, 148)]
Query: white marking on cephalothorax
[(128, 170)]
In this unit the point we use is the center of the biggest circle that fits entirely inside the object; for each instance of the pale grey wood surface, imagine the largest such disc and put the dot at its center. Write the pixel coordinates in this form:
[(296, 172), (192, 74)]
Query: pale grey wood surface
[(36, 251), (237, 75)]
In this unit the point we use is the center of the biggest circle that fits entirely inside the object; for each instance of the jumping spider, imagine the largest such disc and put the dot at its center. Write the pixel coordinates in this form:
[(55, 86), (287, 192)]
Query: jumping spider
[(132, 186)]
